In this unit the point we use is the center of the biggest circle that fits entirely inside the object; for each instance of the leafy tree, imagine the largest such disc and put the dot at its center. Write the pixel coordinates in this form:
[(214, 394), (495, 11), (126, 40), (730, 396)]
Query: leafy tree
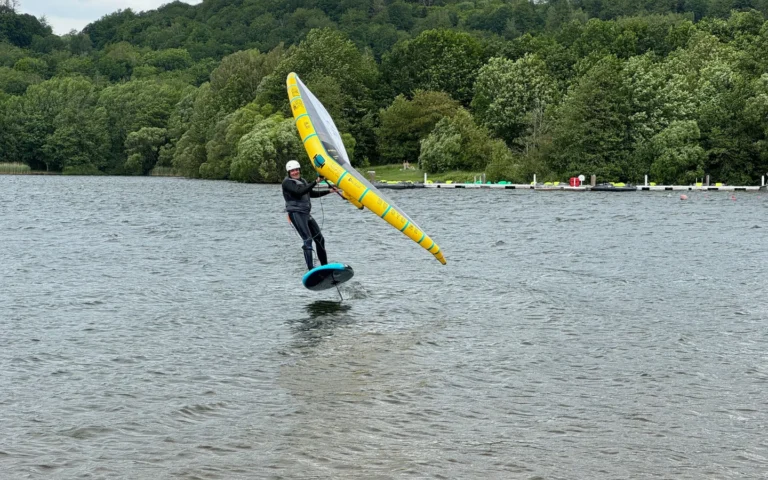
[(678, 36), (302, 20), (558, 13), (699, 8), (747, 22), (144, 72), (262, 153), (720, 115), (618, 8), (78, 43), (134, 105), (406, 122), (326, 54), (46, 44), (200, 72), (9, 5), (7, 139), (10, 54), (118, 60), (457, 143), (627, 37), (349, 146), (721, 8), (440, 60), (178, 123), (78, 148), (235, 81), (60, 126), (756, 120), (79, 65), (233, 85), (748, 36), (143, 149), (104, 30), (656, 98), (189, 152), (710, 71), (437, 18), (494, 18), (399, 14), (32, 65), (679, 158), (53, 59), (590, 134), (511, 98), (15, 82), (597, 38), (20, 29), (379, 37), (524, 18), (555, 54), (222, 148), (169, 59), (702, 49), (518, 168)]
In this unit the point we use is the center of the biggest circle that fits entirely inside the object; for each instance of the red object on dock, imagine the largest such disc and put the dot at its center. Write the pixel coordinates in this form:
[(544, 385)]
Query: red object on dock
[(574, 182)]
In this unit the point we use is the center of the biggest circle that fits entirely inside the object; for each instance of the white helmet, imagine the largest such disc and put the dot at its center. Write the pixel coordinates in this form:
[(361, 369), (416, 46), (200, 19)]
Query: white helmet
[(292, 165)]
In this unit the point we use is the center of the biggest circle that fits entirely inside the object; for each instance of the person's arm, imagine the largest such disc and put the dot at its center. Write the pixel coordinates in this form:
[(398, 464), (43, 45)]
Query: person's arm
[(298, 190), (316, 194)]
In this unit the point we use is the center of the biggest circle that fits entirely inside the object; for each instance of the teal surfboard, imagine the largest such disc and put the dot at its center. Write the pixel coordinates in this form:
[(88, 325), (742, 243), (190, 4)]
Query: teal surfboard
[(327, 276)]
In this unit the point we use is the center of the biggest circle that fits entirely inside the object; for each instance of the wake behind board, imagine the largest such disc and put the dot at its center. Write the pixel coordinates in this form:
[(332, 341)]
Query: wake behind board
[(327, 276)]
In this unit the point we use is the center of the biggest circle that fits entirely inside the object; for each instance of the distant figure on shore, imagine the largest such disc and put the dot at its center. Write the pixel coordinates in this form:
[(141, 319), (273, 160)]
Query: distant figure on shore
[(406, 165)]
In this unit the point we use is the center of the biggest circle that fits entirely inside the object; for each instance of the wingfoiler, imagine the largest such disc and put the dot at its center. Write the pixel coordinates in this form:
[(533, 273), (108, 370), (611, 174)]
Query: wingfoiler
[(325, 148)]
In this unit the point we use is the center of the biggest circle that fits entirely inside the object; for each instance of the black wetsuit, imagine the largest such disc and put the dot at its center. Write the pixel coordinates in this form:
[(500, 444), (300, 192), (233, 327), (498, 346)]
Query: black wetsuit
[(297, 194)]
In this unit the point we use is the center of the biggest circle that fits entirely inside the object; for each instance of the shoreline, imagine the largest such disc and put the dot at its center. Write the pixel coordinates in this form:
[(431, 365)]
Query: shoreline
[(567, 188), (508, 186)]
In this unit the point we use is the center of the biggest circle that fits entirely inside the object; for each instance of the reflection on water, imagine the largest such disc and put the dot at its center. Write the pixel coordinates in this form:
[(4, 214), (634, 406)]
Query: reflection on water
[(326, 308), (158, 328), (324, 317)]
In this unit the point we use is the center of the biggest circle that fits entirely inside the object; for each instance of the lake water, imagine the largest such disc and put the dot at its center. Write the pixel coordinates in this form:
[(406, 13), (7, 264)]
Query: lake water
[(157, 328)]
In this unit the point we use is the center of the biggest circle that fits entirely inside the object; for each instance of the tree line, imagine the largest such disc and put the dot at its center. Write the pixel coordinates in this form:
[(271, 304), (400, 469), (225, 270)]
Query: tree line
[(672, 89)]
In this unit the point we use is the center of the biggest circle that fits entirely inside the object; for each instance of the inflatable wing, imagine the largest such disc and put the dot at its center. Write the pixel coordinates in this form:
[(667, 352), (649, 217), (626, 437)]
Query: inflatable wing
[(323, 143)]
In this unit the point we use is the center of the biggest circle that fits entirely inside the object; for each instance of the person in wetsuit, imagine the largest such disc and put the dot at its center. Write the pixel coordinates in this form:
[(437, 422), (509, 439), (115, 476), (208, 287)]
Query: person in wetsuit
[(297, 193)]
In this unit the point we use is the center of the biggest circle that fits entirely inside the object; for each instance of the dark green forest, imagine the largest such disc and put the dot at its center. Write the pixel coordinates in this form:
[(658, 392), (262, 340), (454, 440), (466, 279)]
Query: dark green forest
[(675, 89)]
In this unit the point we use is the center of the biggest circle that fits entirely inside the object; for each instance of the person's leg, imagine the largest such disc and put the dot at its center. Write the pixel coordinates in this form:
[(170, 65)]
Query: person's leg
[(317, 235), (301, 222)]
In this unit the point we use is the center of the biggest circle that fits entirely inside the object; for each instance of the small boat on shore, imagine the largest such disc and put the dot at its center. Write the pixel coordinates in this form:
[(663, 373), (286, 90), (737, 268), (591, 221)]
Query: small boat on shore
[(609, 187), (547, 187)]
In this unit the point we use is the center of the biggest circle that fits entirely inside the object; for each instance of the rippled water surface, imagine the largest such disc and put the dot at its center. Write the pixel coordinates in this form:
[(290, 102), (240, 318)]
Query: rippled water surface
[(157, 328)]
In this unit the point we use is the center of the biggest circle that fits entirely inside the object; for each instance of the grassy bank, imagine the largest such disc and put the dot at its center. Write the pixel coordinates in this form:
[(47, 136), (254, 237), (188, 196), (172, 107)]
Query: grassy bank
[(396, 173), (383, 173), (14, 169)]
